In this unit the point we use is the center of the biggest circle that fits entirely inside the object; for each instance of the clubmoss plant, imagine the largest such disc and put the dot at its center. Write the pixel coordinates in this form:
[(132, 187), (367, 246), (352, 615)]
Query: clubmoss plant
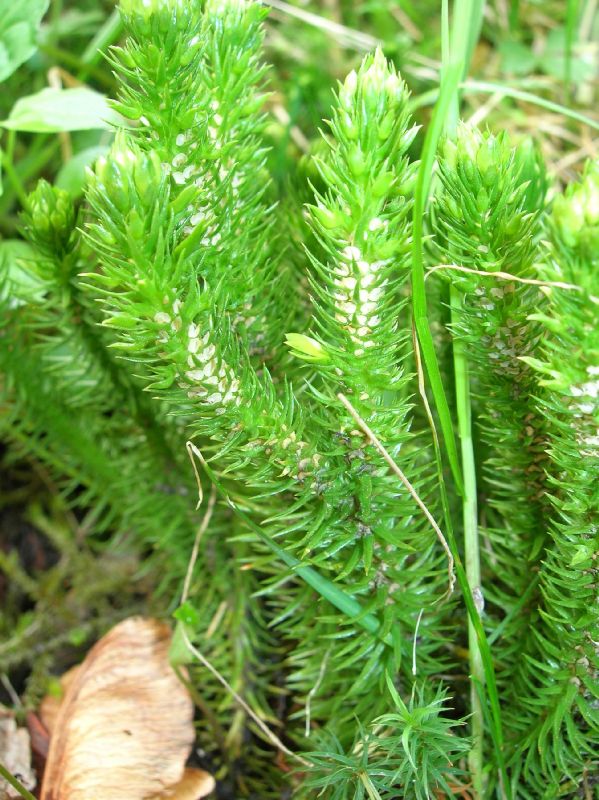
[(487, 225), (556, 724), (329, 490), (111, 448), (487, 228), (381, 763)]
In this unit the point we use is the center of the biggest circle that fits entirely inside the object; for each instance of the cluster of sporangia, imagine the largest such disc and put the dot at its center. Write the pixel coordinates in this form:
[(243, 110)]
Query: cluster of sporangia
[(320, 587)]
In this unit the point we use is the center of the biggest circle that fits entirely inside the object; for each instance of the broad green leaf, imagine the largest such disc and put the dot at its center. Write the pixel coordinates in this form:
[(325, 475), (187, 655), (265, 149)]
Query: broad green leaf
[(178, 652), (18, 283), (553, 61), (55, 110), (516, 58), (19, 24), (71, 176)]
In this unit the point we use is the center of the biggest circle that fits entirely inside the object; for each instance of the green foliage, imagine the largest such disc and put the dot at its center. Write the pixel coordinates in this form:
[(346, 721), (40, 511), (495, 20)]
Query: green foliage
[(54, 110), (322, 484), (557, 724), (552, 59), (407, 751), (183, 299), (18, 33), (486, 222)]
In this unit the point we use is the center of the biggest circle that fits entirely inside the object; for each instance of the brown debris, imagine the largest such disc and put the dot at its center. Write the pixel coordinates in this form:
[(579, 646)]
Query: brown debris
[(194, 785), (15, 754), (124, 728)]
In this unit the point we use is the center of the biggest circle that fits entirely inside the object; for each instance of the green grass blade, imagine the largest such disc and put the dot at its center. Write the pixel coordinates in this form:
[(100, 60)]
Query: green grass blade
[(496, 729), (571, 20), (10, 778), (514, 15), (487, 87), (458, 45), (449, 88), (492, 711)]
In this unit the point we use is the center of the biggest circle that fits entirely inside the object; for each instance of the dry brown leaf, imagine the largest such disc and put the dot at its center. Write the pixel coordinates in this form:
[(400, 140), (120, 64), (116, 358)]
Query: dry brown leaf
[(125, 726), (40, 741), (15, 754), (194, 785)]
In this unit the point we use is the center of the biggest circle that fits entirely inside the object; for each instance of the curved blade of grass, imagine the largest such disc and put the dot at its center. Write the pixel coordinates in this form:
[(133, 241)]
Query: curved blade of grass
[(472, 87), (350, 36), (459, 50), (449, 87), (471, 542), (491, 710), (519, 94)]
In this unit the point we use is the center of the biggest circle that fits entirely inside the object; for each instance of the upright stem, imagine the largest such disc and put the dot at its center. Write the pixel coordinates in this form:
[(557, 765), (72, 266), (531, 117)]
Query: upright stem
[(471, 546), (9, 168), (55, 14), (106, 35)]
